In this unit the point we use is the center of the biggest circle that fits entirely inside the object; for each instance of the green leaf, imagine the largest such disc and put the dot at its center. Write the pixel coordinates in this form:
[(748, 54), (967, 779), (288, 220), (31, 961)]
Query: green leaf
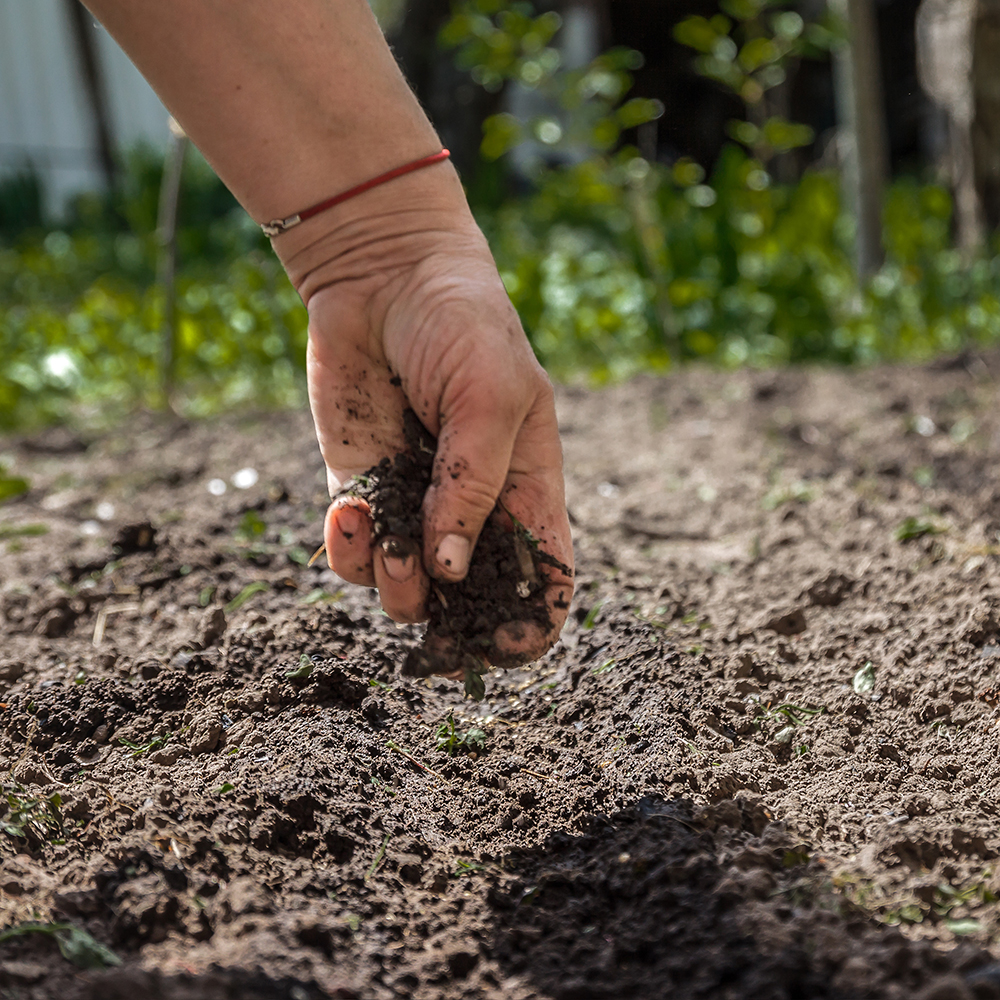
[(788, 25), (699, 33), (638, 111), (475, 686), (794, 857), (251, 526), (501, 133), (590, 620), (475, 738), (864, 679), (12, 486), (303, 670), (745, 133), (914, 527), (83, 951), (319, 594), (743, 10), (963, 927), (758, 51), (75, 944), (22, 530), (782, 135), (245, 594)]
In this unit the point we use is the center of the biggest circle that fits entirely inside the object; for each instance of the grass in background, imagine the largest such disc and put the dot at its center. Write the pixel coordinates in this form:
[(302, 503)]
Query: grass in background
[(81, 314), (616, 265)]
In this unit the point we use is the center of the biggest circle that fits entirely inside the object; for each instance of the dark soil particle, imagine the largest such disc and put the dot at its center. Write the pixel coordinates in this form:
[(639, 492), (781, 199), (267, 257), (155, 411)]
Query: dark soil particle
[(210, 764)]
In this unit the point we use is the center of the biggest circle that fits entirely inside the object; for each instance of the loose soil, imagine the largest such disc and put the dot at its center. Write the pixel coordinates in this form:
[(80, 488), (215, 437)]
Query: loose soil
[(761, 762), (505, 582)]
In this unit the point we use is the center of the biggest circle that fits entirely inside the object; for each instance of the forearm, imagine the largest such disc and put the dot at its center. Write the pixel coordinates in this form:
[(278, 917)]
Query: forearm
[(291, 101)]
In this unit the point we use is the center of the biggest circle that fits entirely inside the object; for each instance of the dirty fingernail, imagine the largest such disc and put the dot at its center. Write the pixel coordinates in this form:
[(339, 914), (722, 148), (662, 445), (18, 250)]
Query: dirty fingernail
[(348, 522), (453, 553), (400, 570)]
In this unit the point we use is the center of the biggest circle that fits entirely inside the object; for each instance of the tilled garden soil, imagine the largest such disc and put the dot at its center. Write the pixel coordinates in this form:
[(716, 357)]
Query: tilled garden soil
[(762, 761)]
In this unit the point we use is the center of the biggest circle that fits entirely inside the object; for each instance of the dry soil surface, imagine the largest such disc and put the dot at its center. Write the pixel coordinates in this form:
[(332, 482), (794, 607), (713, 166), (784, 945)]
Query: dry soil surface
[(762, 761)]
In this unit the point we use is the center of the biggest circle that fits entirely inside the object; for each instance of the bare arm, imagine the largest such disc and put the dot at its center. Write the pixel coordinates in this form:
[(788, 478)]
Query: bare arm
[(293, 101)]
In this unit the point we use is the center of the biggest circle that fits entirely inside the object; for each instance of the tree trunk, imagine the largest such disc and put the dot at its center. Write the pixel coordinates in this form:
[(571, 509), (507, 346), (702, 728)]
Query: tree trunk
[(985, 137), (944, 66), (166, 234), (82, 26), (862, 129)]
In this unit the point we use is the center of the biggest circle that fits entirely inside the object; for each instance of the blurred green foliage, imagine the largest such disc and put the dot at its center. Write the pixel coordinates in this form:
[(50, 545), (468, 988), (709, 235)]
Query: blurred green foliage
[(748, 53), (615, 264), (618, 265), (20, 201), (80, 313), (501, 42)]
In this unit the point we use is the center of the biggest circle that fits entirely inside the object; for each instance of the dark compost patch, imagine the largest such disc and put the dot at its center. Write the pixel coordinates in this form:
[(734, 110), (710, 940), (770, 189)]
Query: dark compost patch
[(505, 583), (761, 762)]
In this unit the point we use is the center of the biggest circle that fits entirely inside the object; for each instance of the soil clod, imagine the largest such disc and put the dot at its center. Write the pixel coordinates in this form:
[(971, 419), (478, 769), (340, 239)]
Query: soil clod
[(504, 586), (266, 810)]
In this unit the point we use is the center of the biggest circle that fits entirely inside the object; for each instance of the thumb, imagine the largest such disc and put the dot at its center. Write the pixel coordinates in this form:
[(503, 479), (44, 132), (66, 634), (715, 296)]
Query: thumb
[(473, 455)]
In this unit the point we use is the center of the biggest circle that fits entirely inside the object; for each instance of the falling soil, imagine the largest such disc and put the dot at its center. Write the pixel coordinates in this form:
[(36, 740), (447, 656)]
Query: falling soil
[(761, 762), (505, 582)]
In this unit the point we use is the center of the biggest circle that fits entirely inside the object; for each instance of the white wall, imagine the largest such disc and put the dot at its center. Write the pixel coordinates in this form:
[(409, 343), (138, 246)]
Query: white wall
[(45, 116)]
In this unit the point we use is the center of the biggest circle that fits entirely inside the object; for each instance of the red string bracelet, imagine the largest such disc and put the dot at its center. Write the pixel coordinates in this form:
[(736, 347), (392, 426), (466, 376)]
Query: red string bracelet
[(277, 226)]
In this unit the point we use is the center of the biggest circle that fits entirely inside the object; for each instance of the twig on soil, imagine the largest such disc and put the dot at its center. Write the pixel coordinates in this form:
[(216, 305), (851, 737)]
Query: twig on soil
[(102, 619), (378, 857), (115, 804), (413, 760), (28, 737), (316, 555), (535, 774)]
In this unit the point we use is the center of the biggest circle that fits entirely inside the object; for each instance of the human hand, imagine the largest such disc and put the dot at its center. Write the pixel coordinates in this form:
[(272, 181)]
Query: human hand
[(406, 309)]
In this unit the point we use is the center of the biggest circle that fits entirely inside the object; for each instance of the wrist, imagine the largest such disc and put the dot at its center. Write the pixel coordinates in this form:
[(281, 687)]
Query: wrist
[(380, 233)]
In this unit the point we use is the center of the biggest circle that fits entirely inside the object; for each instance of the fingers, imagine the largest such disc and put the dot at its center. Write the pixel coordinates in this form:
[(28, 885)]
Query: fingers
[(520, 642), (347, 534), (402, 583), (535, 496), (484, 441), (393, 565), (472, 463)]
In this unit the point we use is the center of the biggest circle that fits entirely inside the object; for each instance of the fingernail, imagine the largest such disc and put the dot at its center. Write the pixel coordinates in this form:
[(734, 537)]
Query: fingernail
[(348, 521), (400, 570), (453, 554), (398, 558)]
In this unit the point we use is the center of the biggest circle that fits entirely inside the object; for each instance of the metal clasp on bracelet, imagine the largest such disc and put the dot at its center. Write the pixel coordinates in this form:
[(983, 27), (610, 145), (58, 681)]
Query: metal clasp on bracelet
[(277, 226)]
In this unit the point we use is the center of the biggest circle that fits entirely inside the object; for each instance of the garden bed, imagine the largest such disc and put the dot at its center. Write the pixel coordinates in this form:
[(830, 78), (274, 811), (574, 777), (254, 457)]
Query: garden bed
[(763, 761)]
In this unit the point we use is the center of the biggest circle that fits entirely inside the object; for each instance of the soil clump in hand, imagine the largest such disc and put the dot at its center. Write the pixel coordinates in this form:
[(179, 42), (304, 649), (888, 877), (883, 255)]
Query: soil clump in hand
[(505, 582)]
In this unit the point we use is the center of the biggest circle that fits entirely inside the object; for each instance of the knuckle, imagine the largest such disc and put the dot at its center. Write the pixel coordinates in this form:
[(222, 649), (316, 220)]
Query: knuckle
[(469, 497)]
